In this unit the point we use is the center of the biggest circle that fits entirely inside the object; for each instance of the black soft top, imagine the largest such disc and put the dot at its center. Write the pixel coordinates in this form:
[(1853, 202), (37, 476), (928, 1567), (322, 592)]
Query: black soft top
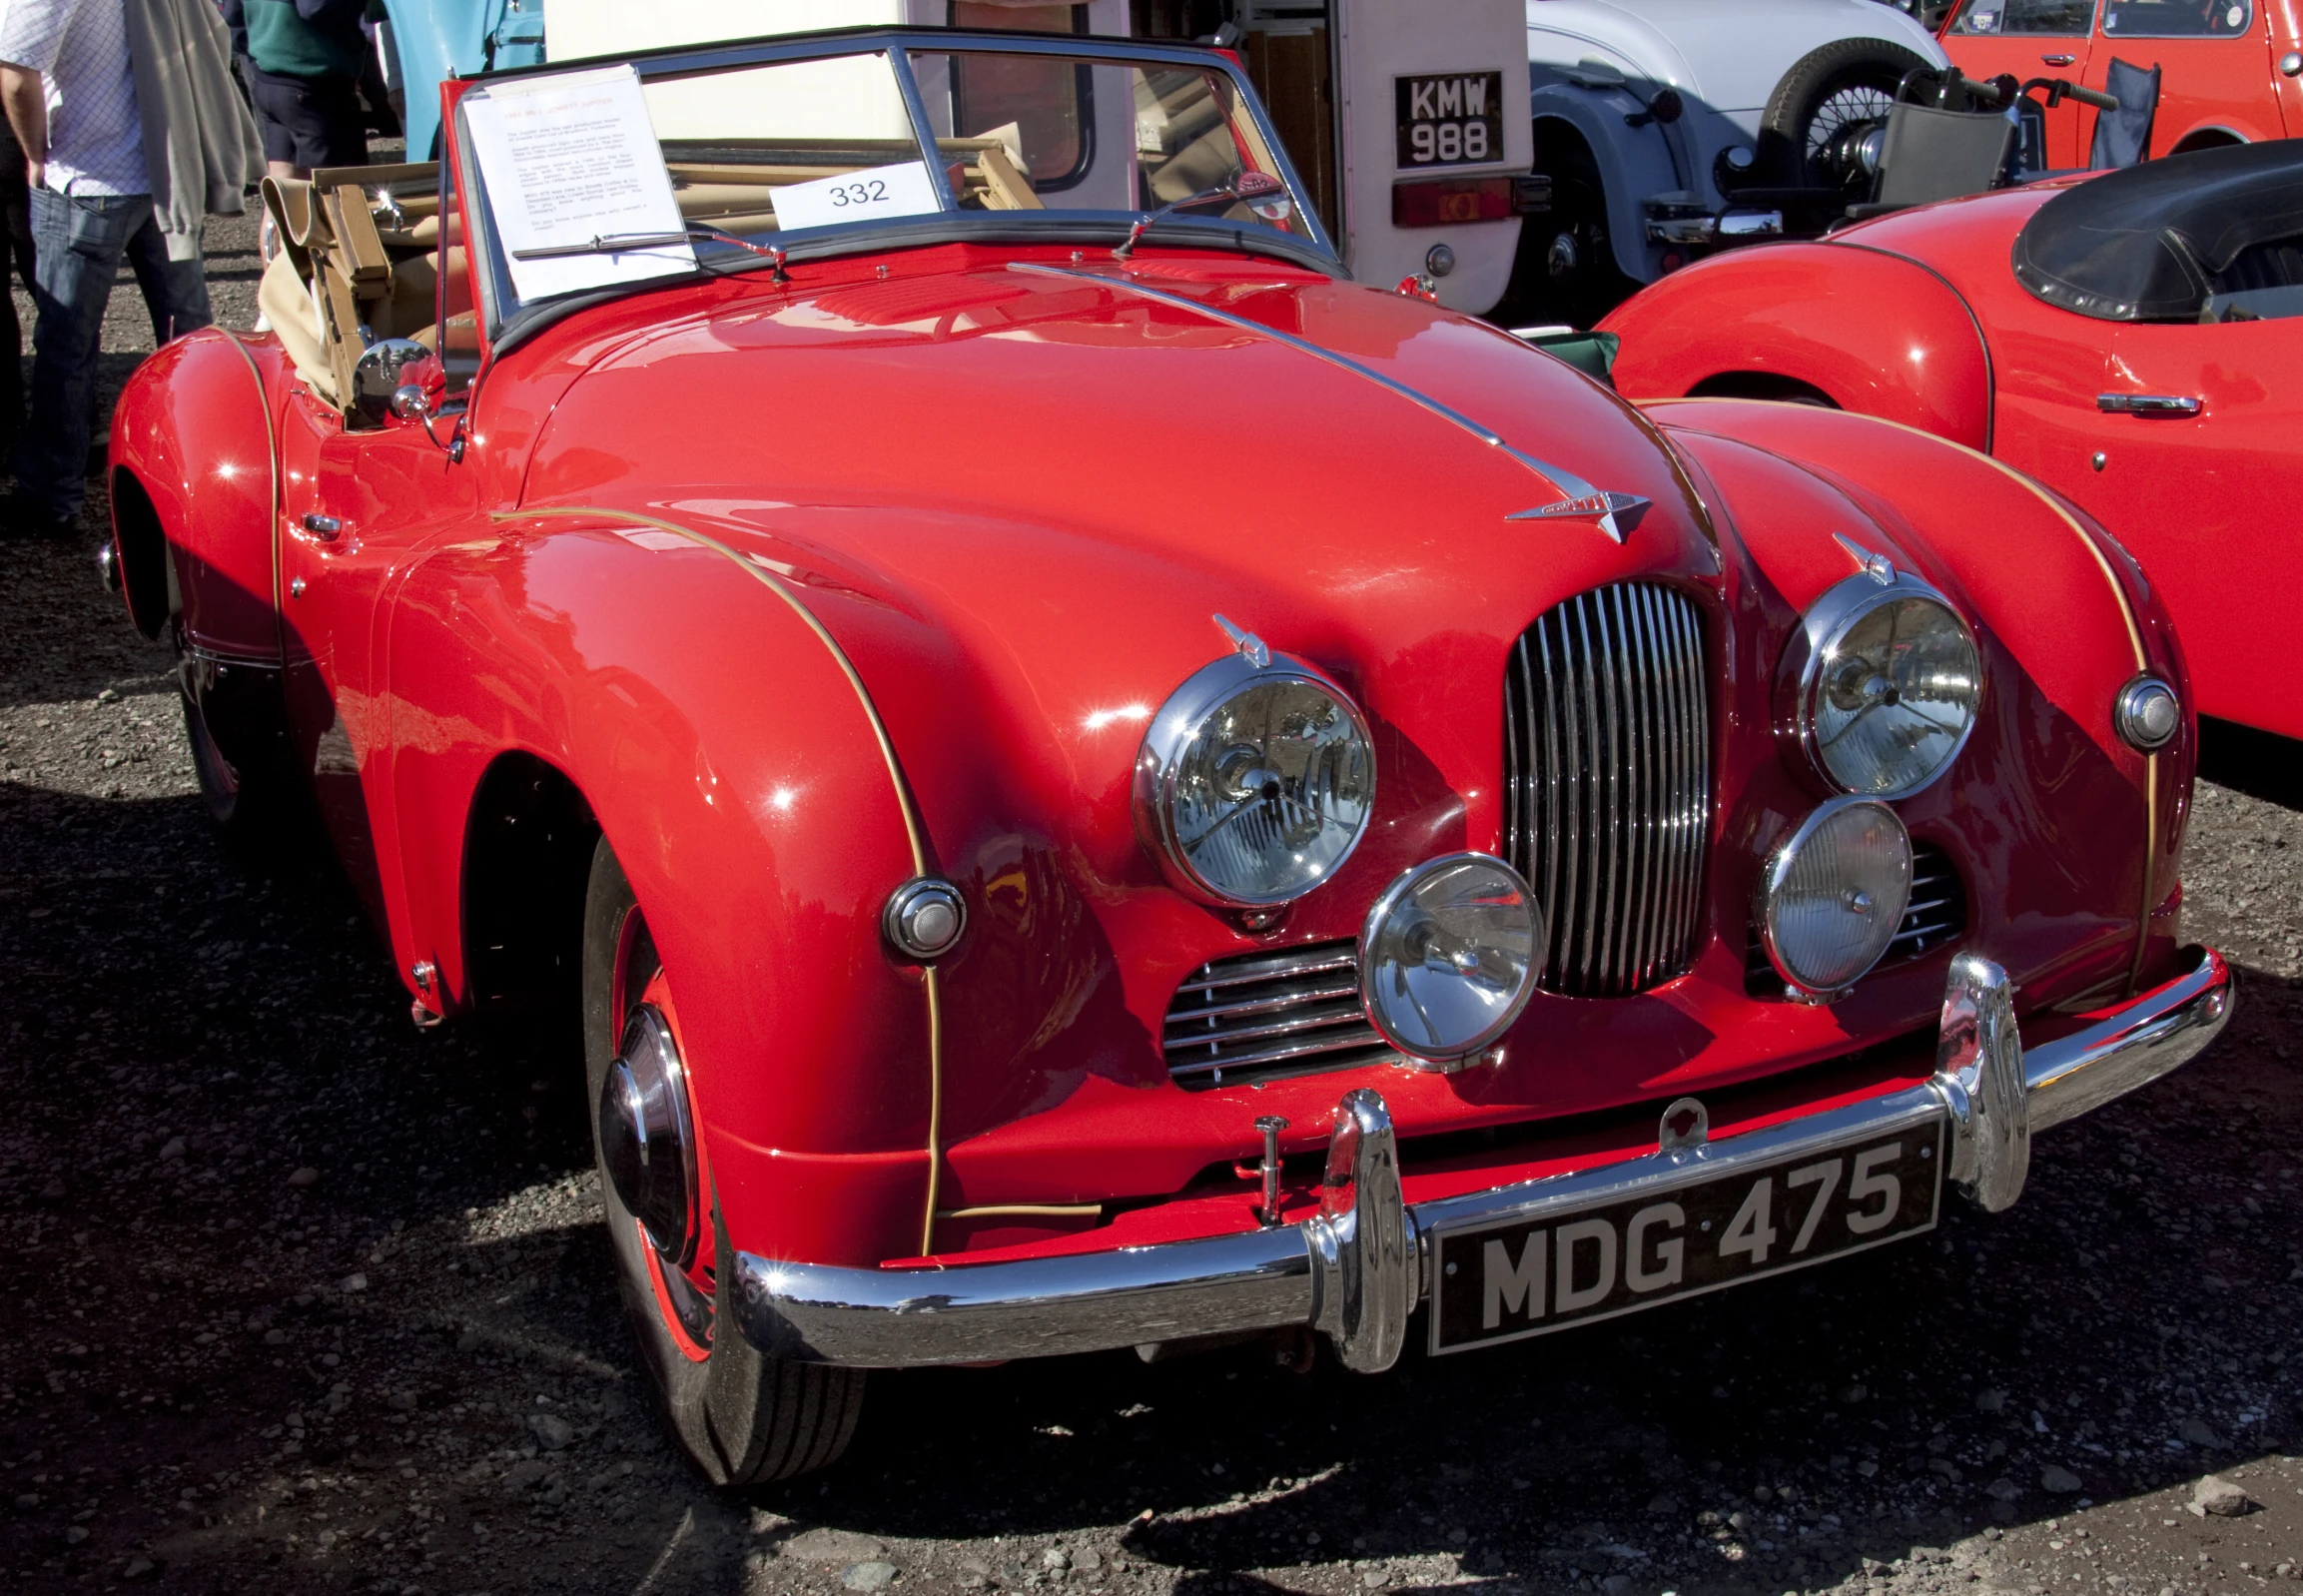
[(2152, 242)]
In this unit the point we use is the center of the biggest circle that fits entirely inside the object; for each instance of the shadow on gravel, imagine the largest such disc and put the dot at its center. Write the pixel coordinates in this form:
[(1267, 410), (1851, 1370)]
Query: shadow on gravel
[(2253, 762)]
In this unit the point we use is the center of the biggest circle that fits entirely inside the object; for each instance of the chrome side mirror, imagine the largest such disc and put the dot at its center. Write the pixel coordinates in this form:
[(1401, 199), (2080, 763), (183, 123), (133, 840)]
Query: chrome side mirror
[(1265, 194), (379, 376), (411, 403)]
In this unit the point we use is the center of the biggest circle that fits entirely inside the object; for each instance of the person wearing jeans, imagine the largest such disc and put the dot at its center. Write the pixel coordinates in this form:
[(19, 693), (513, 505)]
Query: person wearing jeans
[(131, 134)]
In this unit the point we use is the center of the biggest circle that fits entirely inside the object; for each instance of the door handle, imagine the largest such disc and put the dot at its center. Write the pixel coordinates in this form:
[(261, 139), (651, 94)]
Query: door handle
[(323, 527), (2147, 405), (2060, 60)]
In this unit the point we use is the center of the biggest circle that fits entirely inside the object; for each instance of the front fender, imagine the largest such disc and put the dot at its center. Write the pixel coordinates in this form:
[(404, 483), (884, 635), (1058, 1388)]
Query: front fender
[(1871, 330), (2050, 590), (737, 772), (1632, 163)]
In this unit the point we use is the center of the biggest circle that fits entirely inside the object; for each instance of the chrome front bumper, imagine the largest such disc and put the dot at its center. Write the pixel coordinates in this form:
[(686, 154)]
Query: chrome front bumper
[(1359, 1267)]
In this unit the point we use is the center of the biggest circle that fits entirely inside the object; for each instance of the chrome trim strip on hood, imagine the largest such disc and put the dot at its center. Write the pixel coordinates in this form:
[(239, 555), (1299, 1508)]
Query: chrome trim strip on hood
[(1581, 498)]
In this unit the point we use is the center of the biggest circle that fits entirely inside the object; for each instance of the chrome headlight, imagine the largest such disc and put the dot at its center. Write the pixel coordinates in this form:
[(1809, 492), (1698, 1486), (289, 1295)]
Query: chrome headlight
[(1890, 683), (1450, 955), (1832, 894), (1255, 781)]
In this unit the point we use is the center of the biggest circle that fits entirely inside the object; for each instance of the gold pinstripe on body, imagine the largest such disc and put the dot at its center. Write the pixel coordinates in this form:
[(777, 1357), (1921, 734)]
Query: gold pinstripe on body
[(272, 477), (915, 831), (2118, 593)]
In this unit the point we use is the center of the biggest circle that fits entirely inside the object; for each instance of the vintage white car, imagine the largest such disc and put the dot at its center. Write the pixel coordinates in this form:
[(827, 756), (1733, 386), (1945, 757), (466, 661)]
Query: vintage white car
[(1669, 127)]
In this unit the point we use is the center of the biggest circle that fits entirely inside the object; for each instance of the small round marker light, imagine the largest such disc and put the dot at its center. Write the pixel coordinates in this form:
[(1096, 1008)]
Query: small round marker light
[(924, 918), (2149, 714)]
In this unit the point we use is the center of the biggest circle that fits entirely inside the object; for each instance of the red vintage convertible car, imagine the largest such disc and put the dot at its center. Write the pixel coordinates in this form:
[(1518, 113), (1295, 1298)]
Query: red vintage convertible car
[(1096, 784), (2133, 341)]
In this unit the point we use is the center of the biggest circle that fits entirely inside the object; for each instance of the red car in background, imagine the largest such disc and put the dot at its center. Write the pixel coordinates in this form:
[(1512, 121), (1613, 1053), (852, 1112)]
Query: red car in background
[(2232, 70), (2134, 341)]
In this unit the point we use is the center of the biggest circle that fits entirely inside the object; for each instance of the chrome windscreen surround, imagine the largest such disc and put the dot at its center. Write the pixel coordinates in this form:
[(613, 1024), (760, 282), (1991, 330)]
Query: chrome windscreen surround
[(1170, 737), (1827, 621)]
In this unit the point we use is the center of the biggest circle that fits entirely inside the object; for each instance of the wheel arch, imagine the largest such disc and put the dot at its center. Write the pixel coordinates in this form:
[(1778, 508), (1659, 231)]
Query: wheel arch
[(528, 852), (1864, 329), (147, 582), (1631, 162)]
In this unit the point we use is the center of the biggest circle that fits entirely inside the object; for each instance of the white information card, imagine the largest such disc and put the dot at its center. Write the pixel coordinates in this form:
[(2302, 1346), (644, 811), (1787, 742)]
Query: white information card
[(866, 196), (569, 159)]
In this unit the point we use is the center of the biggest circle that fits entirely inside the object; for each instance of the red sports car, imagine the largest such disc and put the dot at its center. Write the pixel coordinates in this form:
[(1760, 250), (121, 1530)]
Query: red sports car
[(1095, 784), (2133, 341)]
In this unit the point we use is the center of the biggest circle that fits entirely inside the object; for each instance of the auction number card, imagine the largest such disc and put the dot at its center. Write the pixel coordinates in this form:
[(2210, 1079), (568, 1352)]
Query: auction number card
[(867, 196), (569, 159)]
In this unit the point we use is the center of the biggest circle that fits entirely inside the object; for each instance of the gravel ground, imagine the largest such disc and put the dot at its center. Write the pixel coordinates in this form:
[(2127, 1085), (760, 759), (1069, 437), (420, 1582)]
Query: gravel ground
[(299, 1298)]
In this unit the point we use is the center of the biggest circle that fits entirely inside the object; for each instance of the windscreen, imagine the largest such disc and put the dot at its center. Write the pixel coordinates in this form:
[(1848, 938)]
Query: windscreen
[(595, 179)]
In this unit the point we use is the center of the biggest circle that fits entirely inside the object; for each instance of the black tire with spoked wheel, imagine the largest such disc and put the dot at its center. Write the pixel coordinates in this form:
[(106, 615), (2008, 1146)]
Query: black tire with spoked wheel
[(742, 1418), (1823, 106)]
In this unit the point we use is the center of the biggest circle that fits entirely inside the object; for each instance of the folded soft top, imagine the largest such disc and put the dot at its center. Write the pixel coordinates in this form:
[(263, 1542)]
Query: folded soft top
[(2152, 242)]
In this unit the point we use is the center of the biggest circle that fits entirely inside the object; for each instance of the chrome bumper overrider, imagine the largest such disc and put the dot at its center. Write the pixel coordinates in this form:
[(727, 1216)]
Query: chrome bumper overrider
[(1356, 1270)]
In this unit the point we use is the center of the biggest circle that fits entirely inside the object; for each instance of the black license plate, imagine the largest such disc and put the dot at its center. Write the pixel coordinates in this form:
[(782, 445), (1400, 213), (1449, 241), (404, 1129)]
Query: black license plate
[(1450, 119), (1527, 1276)]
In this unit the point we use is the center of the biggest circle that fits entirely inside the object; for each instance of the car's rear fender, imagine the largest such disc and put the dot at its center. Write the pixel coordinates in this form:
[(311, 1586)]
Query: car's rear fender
[(193, 503), (1868, 330)]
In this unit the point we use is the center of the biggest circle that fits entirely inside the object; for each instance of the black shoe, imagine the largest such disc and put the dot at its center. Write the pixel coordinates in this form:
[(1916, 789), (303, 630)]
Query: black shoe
[(25, 517)]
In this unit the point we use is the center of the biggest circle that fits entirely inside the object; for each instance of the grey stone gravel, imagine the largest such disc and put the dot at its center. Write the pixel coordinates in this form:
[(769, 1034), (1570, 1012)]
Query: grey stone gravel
[(174, 1322)]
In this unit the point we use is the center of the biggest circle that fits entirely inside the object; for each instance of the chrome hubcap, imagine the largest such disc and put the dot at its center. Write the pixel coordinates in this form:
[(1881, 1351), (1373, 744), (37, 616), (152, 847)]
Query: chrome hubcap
[(646, 1142)]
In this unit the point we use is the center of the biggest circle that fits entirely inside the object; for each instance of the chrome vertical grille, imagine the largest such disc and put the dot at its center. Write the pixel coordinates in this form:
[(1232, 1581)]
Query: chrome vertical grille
[(1607, 755)]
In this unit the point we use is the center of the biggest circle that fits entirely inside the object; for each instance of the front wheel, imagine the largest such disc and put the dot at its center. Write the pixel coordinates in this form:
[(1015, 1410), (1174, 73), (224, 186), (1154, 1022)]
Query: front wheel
[(742, 1418)]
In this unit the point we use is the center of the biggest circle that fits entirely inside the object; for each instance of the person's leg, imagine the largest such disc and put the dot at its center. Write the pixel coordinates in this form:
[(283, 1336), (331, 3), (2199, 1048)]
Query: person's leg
[(15, 245), (175, 291), (79, 243)]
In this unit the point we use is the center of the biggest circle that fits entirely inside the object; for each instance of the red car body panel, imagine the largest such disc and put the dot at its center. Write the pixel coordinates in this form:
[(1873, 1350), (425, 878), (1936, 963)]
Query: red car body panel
[(2186, 496), (2212, 90), (1011, 502)]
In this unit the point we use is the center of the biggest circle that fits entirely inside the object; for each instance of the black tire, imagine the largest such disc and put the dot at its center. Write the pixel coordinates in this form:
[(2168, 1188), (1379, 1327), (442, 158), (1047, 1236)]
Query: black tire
[(1832, 92), (741, 1417), (1565, 269), (236, 725)]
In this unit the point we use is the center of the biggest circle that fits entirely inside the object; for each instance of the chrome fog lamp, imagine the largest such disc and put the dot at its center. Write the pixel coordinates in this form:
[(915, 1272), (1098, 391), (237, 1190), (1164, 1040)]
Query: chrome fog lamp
[(1832, 895), (646, 1142), (1889, 681), (1450, 955), (1256, 780)]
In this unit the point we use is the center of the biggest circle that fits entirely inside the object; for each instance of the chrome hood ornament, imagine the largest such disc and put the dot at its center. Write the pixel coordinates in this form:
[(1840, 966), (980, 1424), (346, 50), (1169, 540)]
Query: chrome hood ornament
[(1617, 514)]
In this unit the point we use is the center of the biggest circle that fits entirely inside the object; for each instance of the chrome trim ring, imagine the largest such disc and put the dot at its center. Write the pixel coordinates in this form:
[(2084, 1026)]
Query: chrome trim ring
[(1777, 867), (2147, 715), (1169, 734), (924, 918), (1827, 621)]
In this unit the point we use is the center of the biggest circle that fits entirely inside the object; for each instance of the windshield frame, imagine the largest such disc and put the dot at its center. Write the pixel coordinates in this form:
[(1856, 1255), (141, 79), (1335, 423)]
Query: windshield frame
[(948, 225)]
